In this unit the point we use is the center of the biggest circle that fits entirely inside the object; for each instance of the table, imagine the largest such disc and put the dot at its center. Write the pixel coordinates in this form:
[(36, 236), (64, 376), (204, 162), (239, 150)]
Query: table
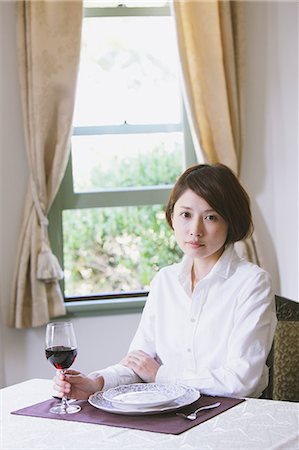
[(254, 424)]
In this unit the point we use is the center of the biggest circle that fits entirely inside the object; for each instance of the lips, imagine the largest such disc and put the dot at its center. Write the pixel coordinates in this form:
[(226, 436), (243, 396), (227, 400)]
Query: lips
[(195, 244)]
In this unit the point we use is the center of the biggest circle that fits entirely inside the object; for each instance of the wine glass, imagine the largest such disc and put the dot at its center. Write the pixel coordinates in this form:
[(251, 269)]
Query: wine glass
[(61, 351)]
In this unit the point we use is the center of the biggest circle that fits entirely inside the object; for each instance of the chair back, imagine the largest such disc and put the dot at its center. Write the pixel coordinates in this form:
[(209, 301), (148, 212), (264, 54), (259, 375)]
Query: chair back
[(283, 360)]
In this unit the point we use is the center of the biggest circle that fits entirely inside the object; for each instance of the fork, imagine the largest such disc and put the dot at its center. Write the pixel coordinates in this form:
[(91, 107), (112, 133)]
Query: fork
[(193, 415)]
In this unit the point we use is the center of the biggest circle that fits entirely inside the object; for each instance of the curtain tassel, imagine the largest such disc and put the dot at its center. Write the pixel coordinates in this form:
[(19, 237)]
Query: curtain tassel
[(48, 268)]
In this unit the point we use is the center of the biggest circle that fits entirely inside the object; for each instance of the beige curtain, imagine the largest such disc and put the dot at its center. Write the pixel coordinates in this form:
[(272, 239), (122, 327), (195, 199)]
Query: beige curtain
[(49, 34), (211, 47)]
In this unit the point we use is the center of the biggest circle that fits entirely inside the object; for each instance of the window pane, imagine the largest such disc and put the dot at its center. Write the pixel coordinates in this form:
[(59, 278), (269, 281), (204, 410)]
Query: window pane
[(115, 249), (128, 72), (114, 161)]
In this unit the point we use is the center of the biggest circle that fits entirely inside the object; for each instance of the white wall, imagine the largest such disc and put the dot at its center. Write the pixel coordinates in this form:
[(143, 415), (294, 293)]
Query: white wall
[(270, 173), (270, 163)]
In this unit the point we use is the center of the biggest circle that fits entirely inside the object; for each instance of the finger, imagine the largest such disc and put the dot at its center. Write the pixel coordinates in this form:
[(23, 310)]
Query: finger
[(136, 353), (72, 372), (133, 356), (138, 358), (141, 353), (131, 364), (58, 381), (59, 392), (73, 378), (60, 384), (126, 362), (62, 387), (135, 364)]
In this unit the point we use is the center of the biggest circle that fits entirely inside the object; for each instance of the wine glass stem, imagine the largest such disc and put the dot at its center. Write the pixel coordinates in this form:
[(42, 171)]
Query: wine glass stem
[(64, 403), (64, 398)]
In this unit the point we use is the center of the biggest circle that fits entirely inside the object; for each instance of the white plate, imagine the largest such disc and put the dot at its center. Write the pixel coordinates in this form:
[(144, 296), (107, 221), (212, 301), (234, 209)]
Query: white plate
[(98, 401), (143, 395)]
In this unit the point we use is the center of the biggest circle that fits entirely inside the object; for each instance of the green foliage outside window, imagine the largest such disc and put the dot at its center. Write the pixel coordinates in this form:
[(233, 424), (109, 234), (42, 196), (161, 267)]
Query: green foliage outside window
[(119, 249)]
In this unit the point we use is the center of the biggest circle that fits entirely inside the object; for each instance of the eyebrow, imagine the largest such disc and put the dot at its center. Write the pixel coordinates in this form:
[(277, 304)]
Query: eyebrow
[(204, 212)]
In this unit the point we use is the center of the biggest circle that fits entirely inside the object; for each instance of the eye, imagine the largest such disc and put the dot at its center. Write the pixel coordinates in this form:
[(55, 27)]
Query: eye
[(186, 214), (211, 218)]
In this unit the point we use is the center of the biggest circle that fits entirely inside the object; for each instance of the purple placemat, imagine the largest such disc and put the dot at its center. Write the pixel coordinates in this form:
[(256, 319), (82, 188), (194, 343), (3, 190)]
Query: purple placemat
[(160, 423)]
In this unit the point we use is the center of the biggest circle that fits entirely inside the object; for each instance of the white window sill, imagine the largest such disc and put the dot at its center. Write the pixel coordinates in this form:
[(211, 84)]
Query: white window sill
[(105, 307)]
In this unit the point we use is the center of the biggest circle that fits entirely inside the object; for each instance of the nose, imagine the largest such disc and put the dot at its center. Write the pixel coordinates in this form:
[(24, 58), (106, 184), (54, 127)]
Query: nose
[(196, 228), (196, 234)]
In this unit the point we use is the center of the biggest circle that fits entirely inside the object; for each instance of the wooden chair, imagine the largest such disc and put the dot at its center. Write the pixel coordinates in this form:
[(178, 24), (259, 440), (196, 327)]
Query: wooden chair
[(283, 360)]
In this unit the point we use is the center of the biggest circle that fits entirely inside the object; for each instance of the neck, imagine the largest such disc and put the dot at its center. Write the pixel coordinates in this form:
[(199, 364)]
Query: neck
[(202, 266)]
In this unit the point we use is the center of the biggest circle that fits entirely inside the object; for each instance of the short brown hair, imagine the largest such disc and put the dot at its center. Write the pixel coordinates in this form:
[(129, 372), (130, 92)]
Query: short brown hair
[(219, 186)]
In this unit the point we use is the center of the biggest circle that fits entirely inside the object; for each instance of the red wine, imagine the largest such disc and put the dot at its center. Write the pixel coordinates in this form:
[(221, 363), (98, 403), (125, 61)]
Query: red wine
[(61, 357)]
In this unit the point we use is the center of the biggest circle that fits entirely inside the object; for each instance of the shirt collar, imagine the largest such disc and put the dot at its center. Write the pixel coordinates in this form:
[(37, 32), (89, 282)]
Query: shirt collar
[(224, 267), (227, 262)]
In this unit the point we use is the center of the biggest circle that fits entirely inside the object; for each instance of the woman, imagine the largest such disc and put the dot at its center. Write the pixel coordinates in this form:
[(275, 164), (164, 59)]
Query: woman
[(209, 320)]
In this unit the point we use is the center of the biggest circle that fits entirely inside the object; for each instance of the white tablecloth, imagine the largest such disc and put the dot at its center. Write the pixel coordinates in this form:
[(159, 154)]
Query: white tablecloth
[(254, 424)]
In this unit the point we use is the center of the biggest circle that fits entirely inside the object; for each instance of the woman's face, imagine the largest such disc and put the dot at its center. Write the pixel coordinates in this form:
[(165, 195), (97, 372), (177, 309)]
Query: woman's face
[(199, 230)]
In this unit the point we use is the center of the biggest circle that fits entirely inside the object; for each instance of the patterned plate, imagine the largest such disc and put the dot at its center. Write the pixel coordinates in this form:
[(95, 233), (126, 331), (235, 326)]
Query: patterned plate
[(98, 401), (143, 395)]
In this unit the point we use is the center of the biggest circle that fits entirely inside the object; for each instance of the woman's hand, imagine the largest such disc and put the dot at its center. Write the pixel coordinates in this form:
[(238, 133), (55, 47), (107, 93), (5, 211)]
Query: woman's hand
[(74, 384), (143, 365)]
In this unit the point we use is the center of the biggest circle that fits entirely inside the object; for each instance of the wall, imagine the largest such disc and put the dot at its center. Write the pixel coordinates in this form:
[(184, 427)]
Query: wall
[(270, 163), (270, 173)]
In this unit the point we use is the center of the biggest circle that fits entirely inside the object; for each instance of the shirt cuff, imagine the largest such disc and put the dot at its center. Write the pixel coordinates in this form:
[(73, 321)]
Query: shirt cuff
[(116, 375)]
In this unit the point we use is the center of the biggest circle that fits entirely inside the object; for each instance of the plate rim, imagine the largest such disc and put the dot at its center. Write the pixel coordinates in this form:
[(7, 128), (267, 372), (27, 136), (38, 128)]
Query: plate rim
[(146, 387)]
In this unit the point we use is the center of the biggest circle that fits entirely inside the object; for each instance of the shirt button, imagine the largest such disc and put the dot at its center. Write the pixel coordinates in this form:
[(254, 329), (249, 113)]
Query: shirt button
[(192, 319), (189, 350)]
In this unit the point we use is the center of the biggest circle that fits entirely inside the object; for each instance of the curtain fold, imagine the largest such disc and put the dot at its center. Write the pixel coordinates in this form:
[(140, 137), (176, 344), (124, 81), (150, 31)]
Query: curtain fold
[(211, 48), (49, 39)]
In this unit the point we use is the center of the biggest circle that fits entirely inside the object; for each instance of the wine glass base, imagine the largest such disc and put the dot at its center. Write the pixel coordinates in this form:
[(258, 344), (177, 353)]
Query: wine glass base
[(69, 409)]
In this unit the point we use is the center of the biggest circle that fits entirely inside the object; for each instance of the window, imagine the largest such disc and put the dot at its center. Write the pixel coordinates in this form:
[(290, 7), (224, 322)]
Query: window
[(129, 145)]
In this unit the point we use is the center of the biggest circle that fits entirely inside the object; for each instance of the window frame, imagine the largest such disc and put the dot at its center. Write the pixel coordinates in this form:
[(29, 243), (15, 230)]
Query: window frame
[(147, 195)]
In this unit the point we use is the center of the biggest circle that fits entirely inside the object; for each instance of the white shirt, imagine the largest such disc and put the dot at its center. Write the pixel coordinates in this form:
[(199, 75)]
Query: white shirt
[(216, 338)]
